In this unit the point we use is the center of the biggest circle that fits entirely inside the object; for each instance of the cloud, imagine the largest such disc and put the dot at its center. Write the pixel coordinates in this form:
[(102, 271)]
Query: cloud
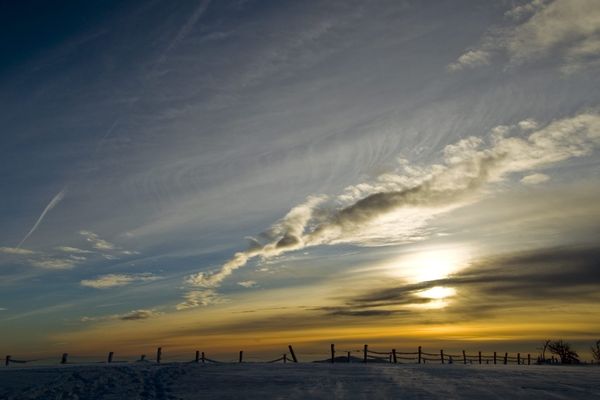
[(566, 28), (53, 263), (55, 200), (66, 257), (534, 179), (471, 59), (204, 297), (73, 250), (135, 315), (518, 12), (572, 24), (43, 260), (16, 251), (116, 280), (2, 309), (528, 124), (96, 241), (247, 284), (510, 280), (401, 204), (139, 314)]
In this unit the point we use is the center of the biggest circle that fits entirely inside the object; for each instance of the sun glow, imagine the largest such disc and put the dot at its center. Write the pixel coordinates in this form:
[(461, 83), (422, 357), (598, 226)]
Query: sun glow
[(437, 293), (429, 264), (438, 297)]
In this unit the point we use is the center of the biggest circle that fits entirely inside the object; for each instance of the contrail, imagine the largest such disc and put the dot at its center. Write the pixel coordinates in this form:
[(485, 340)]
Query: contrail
[(55, 200)]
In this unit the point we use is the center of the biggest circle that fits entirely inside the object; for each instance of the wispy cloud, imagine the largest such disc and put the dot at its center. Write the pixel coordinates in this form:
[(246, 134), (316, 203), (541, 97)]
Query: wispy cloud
[(195, 298), (409, 198), (16, 251), (135, 315), (55, 200), (96, 241), (247, 284), (117, 280), (53, 263), (73, 250), (65, 257), (568, 28), (40, 259), (471, 59), (535, 179)]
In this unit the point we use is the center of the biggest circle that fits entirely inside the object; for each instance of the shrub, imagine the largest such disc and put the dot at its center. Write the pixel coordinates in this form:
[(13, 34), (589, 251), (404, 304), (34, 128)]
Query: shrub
[(596, 351), (564, 352)]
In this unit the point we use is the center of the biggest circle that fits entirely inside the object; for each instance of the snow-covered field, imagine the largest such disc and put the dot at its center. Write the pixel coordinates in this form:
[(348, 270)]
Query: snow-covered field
[(299, 381)]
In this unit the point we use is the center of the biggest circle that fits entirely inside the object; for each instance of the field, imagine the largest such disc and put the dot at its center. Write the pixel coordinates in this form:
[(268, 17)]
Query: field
[(299, 381)]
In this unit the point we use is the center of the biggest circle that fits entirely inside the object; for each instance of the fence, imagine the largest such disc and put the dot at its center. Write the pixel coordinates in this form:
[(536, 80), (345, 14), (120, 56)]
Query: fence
[(366, 356), (421, 357)]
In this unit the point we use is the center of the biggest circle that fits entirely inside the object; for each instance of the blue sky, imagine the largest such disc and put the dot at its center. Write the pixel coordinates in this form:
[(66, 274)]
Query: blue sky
[(191, 159)]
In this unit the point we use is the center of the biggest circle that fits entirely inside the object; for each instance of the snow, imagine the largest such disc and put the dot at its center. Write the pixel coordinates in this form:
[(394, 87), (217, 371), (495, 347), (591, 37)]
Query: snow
[(299, 381)]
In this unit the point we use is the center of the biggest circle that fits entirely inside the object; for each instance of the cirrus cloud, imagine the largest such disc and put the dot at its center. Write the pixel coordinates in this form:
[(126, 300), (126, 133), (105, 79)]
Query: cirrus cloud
[(402, 203), (117, 280)]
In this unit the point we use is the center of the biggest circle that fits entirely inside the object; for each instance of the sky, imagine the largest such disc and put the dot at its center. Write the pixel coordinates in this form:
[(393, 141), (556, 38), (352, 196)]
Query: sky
[(250, 174)]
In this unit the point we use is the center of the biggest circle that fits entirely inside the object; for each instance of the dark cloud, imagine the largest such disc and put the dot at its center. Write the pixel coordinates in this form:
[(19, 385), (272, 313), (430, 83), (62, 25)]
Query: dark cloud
[(138, 315), (540, 279), (345, 311), (288, 240), (511, 280)]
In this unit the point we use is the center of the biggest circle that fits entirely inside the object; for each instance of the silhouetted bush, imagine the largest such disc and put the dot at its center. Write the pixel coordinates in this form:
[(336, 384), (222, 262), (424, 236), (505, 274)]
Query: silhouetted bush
[(564, 352), (596, 351)]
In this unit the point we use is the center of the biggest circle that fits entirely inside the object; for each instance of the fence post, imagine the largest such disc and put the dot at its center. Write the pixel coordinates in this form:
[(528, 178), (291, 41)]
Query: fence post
[(241, 355), (394, 356), (479, 357), (528, 359), (7, 361), (518, 358), (332, 353), (63, 360), (494, 357), (419, 354), (505, 358), (348, 356), (366, 349), (292, 353), (203, 358), (285, 358), (197, 356), (158, 355), (464, 358), (442, 355), (110, 357)]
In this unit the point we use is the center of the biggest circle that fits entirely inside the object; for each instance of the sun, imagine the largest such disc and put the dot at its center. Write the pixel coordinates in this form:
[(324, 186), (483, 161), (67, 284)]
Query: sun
[(437, 293), (429, 264)]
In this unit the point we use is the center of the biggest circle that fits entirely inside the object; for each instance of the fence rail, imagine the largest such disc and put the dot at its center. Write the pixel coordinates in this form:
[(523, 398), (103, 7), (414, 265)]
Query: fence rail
[(368, 356)]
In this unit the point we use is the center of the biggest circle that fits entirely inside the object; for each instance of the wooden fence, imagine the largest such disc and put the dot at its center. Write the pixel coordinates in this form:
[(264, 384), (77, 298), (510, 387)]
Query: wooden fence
[(421, 357), (366, 356)]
